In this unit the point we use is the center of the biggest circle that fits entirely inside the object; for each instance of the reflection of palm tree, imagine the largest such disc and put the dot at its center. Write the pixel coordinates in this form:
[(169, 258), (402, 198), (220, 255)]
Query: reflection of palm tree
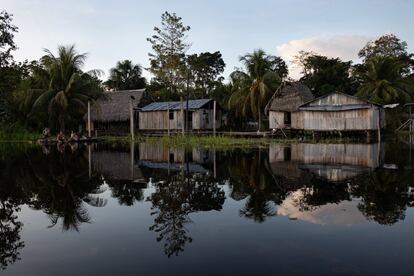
[(249, 177), (58, 184), (258, 207)]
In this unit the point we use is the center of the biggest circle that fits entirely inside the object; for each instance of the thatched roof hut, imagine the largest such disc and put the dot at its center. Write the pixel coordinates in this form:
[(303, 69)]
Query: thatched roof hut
[(289, 97), (114, 106), (284, 104)]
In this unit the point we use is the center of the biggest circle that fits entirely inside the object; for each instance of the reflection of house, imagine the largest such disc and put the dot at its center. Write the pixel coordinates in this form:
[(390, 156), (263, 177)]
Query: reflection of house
[(164, 115), (111, 113), (161, 156), (334, 162), (283, 106), (116, 166)]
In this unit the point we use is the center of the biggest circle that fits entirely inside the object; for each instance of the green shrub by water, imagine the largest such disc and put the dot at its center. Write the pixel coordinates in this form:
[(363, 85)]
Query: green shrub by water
[(16, 133)]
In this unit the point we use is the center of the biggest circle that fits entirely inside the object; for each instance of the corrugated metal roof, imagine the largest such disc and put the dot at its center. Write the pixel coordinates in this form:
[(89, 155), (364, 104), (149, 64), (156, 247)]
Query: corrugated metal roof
[(335, 107), (159, 106)]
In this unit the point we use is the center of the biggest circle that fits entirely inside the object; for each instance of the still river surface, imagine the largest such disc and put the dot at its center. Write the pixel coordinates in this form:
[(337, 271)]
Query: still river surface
[(149, 209)]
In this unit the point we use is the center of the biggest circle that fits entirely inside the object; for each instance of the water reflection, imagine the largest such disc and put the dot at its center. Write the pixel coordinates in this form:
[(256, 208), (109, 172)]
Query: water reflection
[(317, 183), (183, 185)]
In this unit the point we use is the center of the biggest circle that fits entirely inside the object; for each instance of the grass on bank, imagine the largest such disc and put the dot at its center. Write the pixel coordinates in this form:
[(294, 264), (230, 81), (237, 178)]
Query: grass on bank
[(223, 140), (16, 133)]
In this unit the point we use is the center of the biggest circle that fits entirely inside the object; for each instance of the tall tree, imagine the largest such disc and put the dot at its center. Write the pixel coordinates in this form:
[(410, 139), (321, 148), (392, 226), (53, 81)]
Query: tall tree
[(68, 88), (10, 73), (126, 75), (388, 45), (204, 70), (7, 44), (253, 87), (169, 47), (383, 82), (324, 75)]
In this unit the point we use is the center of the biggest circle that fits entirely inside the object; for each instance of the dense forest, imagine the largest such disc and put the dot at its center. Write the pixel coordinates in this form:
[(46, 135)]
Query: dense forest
[(54, 90)]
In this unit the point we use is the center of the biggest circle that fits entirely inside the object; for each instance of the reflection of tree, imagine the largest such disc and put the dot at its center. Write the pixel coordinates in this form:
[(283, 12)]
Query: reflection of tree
[(321, 192), (173, 201), (385, 195), (250, 178), (10, 228), (128, 192), (58, 184), (11, 197)]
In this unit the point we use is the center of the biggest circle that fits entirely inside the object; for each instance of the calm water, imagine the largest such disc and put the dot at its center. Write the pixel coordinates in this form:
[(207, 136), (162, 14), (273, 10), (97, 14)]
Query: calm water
[(147, 209)]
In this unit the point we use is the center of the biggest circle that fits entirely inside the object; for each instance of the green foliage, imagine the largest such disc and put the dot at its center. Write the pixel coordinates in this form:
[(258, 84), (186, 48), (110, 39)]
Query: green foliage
[(169, 47), (382, 82), (203, 71), (125, 76), (7, 44), (389, 45), (16, 132), (324, 75), (58, 90), (253, 87)]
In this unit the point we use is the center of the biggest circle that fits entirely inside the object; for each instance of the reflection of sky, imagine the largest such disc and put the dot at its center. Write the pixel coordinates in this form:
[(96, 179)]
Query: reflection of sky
[(118, 242), (343, 213)]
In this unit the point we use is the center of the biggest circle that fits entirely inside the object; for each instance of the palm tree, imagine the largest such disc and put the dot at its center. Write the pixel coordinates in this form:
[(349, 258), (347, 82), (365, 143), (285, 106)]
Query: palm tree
[(383, 81), (66, 88), (126, 75), (253, 87)]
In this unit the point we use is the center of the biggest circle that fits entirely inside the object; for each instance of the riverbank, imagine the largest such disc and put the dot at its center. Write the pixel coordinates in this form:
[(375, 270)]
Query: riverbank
[(21, 135), (13, 133)]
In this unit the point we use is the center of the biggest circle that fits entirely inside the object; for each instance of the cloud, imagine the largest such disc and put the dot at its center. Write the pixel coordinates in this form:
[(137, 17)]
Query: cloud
[(345, 47)]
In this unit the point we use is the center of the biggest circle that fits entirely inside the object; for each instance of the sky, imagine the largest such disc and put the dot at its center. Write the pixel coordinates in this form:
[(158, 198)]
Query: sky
[(110, 31)]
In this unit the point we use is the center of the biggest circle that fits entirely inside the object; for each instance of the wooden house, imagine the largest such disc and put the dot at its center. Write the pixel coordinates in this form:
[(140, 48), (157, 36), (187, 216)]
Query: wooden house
[(161, 116), (283, 106), (340, 112), (111, 113)]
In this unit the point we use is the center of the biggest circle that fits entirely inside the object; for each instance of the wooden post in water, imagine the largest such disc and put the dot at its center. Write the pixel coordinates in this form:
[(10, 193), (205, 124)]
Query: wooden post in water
[(132, 160), (168, 118), (214, 118), (89, 118), (214, 164), (182, 117), (89, 160), (131, 118), (379, 126)]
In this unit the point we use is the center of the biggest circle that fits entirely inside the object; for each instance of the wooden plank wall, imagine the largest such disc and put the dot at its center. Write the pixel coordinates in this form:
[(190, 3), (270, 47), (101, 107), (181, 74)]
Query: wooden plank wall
[(336, 99), (359, 119), (276, 119), (158, 120)]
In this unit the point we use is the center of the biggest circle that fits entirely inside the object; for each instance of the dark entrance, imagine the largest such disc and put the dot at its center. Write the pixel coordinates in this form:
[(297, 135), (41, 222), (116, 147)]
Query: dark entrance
[(287, 118)]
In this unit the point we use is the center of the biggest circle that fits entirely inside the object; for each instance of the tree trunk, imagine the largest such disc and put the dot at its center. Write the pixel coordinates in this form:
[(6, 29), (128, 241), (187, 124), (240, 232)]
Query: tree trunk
[(259, 114), (61, 123)]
